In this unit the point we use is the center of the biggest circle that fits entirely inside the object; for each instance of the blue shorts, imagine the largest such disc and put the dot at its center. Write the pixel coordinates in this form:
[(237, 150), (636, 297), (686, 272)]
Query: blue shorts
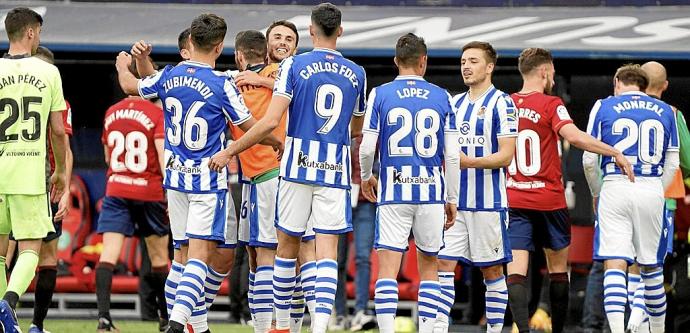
[(530, 229), (127, 217), (668, 225)]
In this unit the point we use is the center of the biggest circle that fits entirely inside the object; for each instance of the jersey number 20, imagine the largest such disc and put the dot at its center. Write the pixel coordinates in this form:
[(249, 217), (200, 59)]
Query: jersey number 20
[(641, 135)]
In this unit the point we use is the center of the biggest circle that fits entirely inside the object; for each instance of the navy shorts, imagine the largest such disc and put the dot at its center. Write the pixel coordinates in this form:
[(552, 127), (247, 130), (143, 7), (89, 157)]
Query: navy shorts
[(530, 229), (127, 217)]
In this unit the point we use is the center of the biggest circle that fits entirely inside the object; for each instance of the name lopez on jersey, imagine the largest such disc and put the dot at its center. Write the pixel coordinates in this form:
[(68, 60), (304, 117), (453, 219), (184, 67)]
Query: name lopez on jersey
[(320, 67)]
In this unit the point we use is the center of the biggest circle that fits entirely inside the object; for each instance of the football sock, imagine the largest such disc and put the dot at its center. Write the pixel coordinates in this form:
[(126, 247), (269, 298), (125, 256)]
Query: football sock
[(250, 294), (324, 290), (615, 298), (427, 305), (559, 289), (638, 310), (496, 298), (308, 279), (190, 291), (518, 294), (446, 301), (45, 286), (171, 282), (283, 286), (386, 304), (297, 307), (104, 282), (263, 298), (655, 299), (212, 285)]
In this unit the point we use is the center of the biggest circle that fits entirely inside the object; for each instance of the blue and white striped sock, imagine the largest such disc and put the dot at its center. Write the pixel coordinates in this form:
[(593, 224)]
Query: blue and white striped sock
[(199, 318), (263, 298), (638, 310), (190, 291), (326, 286), (212, 285), (283, 286), (386, 304), (308, 278), (297, 307), (171, 282), (615, 298), (446, 300), (496, 299), (427, 305), (655, 299), (250, 294)]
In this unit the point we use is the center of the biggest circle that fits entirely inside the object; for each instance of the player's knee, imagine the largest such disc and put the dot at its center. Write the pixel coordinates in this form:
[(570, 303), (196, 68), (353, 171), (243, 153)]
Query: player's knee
[(492, 272)]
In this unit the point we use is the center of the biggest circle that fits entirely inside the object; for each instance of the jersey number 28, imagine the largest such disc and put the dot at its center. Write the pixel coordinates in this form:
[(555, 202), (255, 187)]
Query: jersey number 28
[(426, 125)]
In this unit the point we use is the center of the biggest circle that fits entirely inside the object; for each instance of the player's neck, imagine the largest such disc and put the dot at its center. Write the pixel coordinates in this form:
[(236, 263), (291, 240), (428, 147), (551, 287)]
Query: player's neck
[(207, 59), (625, 89), (324, 43), (409, 72), (19, 49), (654, 93), (530, 86), (479, 89)]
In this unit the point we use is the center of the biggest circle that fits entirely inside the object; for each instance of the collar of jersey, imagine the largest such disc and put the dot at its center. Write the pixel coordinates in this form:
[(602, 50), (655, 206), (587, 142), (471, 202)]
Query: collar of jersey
[(196, 63), (491, 87), (409, 77), (256, 68), (633, 93), (323, 49), (17, 56)]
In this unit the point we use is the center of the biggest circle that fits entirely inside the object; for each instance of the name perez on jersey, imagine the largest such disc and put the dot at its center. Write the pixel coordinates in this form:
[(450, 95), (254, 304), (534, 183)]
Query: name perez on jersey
[(319, 67)]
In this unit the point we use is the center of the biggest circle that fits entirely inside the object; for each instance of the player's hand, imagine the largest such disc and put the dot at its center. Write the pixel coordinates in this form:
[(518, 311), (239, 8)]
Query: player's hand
[(248, 78), (279, 148), (57, 186), (465, 161), (625, 166), (141, 50), (451, 214), (63, 207), (219, 161), (123, 61), (369, 188)]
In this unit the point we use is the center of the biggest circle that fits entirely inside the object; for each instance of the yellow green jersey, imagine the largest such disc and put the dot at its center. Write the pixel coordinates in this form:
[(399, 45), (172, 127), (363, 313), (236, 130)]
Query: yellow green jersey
[(30, 89)]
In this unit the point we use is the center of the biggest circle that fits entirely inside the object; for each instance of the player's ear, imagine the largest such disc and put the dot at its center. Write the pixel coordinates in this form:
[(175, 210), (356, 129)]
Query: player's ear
[(312, 32), (490, 68), (665, 85), (395, 61), (340, 31)]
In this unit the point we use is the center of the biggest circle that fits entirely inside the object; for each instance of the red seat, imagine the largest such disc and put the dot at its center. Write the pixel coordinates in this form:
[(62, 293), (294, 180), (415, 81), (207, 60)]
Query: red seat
[(581, 244), (76, 226)]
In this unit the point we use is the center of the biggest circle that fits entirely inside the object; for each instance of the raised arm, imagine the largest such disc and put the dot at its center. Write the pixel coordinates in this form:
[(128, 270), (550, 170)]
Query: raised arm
[(128, 82), (141, 51)]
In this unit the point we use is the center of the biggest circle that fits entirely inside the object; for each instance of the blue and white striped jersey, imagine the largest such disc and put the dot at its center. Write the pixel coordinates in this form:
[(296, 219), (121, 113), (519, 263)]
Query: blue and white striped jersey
[(410, 116), (198, 102), (643, 128), (481, 123), (325, 90)]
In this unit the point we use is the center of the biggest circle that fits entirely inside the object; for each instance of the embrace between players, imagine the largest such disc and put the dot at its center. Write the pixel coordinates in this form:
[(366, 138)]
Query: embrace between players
[(442, 174)]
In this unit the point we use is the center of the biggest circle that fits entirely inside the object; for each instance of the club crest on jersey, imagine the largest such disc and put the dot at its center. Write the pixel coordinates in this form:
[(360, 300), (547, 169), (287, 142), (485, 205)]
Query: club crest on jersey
[(400, 178), (481, 112), (304, 162)]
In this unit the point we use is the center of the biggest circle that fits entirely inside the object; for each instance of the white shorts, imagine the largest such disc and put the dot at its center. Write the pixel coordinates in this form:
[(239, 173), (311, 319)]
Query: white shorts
[(395, 221), (327, 207), (243, 228), (258, 228), (630, 221), (309, 234), (202, 216), (478, 238)]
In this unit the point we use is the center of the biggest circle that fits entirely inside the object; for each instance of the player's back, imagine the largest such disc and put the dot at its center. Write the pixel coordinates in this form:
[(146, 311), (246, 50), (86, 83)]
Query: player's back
[(130, 128), (259, 158), (325, 89), (30, 89), (410, 115), (643, 128), (198, 103), (535, 176)]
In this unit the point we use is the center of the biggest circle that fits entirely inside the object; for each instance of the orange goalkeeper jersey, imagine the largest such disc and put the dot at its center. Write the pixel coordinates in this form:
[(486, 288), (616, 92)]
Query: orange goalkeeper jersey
[(259, 158)]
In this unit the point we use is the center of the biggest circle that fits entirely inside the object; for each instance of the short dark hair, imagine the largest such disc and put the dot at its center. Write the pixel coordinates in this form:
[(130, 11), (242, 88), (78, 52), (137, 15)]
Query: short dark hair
[(207, 31), (252, 44), (409, 49), (284, 23), (45, 54), (489, 50), (18, 19), (183, 39), (327, 18), (533, 57), (633, 74)]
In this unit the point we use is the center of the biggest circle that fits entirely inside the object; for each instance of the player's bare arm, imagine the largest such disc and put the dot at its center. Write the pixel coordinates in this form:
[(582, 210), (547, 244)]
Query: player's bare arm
[(584, 141), (499, 159), (63, 205), (128, 82), (140, 52), (160, 143), (57, 133), (263, 127), (251, 78), (356, 126)]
